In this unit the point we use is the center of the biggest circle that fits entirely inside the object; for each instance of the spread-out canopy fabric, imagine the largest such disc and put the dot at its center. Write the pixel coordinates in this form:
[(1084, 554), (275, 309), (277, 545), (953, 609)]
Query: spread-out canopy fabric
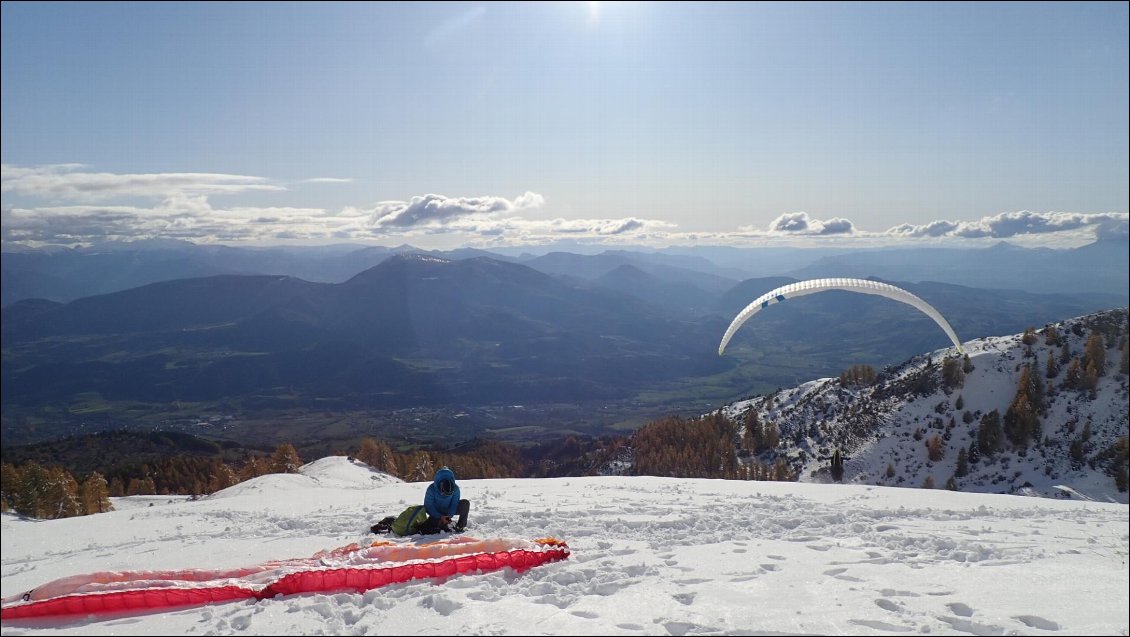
[(813, 286), (353, 568)]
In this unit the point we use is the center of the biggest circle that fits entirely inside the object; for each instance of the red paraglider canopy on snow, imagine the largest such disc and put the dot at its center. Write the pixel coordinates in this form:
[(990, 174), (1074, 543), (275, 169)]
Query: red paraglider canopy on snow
[(350, 568)]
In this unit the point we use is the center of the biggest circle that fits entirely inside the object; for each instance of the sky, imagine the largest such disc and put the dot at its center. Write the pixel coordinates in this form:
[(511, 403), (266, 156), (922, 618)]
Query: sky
[(649, 556), (450, 124)]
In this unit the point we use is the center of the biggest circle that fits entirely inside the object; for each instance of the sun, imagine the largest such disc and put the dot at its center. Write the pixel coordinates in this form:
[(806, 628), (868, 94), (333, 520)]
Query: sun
[(594, 11)]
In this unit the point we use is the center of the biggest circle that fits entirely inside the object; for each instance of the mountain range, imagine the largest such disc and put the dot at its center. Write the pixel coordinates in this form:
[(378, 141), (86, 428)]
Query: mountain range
[(66, 274), (616, 338)]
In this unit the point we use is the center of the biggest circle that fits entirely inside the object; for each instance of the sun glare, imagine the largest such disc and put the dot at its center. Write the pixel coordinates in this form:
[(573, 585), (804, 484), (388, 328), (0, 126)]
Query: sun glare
[(594, 11)]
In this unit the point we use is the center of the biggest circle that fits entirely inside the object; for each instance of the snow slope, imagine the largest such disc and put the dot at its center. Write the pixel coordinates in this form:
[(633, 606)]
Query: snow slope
[(875, 426), (651, 556)]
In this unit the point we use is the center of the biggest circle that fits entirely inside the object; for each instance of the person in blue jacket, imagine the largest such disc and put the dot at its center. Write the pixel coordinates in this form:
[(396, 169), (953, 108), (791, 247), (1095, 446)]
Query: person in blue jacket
[(443, 504)]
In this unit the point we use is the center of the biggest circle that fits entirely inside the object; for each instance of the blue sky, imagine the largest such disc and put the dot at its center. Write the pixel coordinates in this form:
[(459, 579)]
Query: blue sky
[(646, 123)]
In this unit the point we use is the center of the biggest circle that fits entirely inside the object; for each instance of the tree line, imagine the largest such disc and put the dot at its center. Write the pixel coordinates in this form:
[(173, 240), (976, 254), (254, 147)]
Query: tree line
[(710, 447)]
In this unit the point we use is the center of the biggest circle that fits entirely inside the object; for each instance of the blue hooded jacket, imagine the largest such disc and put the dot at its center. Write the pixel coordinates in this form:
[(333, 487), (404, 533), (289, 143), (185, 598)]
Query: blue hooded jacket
[(437, 504)]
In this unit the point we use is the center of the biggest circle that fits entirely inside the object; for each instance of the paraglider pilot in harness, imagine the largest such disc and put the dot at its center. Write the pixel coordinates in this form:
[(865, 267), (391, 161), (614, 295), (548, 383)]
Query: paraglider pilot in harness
[(443, 504)]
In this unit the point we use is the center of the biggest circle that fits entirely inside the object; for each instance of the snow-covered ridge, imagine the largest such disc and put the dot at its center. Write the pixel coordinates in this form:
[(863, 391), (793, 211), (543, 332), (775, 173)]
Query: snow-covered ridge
[(331, 472), (886, 425)]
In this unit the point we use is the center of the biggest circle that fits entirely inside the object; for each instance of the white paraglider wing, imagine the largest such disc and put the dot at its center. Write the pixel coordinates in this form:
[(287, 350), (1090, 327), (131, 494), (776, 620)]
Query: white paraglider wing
[(851, 285)]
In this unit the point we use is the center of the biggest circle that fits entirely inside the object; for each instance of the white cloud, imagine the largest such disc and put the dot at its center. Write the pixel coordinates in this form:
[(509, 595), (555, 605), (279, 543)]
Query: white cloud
[(178, 217), (1113, 230), (932, 229), (431, 209), (518, 230), (328, 180), (837, 225), (799, 223), (1012, 224), (68, 181)]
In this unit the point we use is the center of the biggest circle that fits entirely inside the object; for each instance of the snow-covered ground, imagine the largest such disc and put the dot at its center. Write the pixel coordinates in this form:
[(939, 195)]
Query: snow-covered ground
[(651, 556)]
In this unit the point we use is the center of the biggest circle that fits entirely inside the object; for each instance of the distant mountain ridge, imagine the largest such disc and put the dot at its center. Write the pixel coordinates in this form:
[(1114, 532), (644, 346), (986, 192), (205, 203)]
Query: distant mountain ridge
[(66, 274), (1096, 267), (420, 331), (414, 329)]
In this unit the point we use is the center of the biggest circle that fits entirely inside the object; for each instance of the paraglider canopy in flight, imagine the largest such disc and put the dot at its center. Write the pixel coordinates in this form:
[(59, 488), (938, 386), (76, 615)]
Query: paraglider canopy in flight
[(851, 285)]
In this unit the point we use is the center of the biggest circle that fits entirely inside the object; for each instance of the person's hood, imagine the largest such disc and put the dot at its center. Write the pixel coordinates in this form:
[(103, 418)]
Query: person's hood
[(443, 474)]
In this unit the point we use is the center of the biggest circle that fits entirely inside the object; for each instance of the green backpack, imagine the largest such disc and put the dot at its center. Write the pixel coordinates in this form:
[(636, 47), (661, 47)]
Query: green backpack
[(409, 521)]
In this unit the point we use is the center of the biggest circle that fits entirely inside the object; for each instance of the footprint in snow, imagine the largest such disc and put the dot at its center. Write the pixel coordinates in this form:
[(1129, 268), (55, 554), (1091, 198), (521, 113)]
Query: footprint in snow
[(887, 605), (959, 609), (1033, 621), (884, 626)]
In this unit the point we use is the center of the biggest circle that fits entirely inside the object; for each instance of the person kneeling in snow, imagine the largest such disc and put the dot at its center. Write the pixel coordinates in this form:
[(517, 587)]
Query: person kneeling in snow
[(442, 503)]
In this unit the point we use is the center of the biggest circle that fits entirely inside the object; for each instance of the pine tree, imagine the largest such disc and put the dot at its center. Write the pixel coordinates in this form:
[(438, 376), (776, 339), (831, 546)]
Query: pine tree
[(378, 455), (952, 375), (1051, 335), (974, 452), (31, 494), (781, 471), (934, 448), (929, 483), (1091, 375), (890, 470), (837, 466), (1073, 377), (772, 435), (223, 477), (960, 404), (9, 484), (1077, 452), (61, 497), (962, 468), (420, 467), (1034, 386), (966, 364), (1094, 353), (1124, 366), (1052, 366), (253, 467), (751, 433), (94, 493), (951, 484), (1020, 421), (284, 460), (989, 434), (141, 486)]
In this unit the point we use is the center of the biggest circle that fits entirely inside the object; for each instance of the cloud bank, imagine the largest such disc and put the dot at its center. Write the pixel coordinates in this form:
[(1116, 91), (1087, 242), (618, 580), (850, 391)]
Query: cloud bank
[(1012, 224), (70, 204), (67, 182), (430, 209), (799, 223)]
